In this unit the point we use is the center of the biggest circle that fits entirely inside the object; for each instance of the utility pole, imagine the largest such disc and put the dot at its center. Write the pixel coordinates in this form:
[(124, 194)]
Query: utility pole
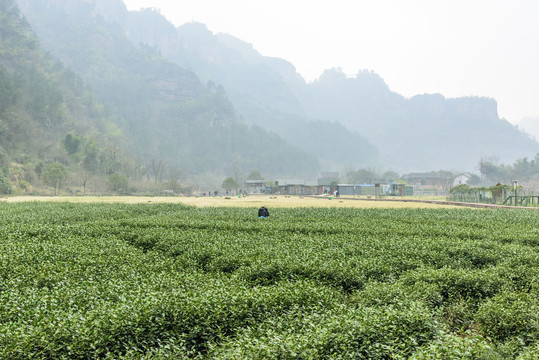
[(515, 185)]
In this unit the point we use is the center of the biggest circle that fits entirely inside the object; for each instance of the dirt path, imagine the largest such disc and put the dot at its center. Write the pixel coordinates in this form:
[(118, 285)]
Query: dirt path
[(278, 201)]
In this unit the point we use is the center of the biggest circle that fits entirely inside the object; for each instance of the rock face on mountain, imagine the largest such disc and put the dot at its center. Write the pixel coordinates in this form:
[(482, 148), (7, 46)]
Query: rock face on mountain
[(248, 77), (424, 132), (149, 27), (481, 109), (477, 110)]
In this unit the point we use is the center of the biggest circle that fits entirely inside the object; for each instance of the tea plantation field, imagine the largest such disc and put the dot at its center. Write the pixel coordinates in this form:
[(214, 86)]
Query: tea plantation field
[(167, 281)]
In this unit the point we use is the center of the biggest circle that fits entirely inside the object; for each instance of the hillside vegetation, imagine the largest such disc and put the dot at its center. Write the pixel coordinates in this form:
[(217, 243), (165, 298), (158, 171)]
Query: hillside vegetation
[(49, 119)]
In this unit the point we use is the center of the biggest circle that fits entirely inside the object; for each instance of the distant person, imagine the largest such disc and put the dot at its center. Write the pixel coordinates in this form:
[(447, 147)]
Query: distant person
[(263, 212)]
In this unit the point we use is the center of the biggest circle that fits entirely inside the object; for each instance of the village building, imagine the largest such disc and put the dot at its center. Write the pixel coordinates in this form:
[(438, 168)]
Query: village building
[(461, 179), (290, 187), (423, 179), (256, 186)]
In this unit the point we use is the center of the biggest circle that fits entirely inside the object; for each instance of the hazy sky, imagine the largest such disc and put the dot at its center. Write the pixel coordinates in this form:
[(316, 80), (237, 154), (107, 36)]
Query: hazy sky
[(453, 47)]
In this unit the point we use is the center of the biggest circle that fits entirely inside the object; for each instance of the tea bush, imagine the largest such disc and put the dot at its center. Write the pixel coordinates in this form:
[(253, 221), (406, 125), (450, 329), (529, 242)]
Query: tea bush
[(143, 281)]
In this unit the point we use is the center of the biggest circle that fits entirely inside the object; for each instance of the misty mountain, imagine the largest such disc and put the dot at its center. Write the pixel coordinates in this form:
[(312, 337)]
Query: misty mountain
[(163, 111), (424, 132), (266, 91)]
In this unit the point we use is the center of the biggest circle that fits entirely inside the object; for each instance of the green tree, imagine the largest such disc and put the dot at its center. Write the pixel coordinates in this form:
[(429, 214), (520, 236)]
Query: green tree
[(174, 185), (54, 175), (474, 180), (230, 184), (390, 176), (90, 162), (461, 189), (363, 176), (7, 91), (118, 183), (334, 185), (255, 175), (4, 158), (490, 172), (5, 185), (71, 143)]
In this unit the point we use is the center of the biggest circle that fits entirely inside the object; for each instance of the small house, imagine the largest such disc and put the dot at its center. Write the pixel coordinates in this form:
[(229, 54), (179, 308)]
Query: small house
[(398, 189), (255, 186), (423, 179), (290, 187)]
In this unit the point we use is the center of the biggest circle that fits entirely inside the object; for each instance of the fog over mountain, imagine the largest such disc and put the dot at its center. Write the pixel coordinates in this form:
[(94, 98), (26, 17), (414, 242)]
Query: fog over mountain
[(342, 121), (424, 132), (530, 125)]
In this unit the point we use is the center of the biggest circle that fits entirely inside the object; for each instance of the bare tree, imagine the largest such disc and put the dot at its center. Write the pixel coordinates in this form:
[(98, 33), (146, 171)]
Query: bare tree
[(158, 167), (446, 179)]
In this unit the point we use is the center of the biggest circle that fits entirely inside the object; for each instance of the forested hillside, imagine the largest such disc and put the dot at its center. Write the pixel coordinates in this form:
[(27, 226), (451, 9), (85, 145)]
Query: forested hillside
[(177, 127), (51, 126)]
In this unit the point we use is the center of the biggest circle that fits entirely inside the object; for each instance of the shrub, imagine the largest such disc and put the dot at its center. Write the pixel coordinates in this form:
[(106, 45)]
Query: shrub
[(5, 185), (510, 315), (118, 183)]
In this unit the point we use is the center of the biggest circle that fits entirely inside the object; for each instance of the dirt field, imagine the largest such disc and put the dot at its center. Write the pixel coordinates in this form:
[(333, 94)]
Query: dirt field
[(279, 201)]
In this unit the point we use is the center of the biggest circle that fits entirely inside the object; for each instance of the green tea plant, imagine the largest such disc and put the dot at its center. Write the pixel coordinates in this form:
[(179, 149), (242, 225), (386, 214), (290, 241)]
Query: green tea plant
[(81, 281)]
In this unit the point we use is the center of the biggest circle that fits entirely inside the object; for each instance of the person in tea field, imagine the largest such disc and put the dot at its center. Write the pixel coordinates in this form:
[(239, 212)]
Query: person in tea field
[(263, 212)]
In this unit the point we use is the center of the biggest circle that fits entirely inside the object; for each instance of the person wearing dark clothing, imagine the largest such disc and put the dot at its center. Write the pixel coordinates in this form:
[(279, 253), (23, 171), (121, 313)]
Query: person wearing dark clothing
[(263, 212)]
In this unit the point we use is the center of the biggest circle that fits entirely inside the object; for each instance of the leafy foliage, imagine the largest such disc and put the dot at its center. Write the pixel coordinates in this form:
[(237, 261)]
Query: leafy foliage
[(118, 183), (47, 114), (230, 184), (522, 169), (5, 185), (54, 175), (133, 281), (254, 175)]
